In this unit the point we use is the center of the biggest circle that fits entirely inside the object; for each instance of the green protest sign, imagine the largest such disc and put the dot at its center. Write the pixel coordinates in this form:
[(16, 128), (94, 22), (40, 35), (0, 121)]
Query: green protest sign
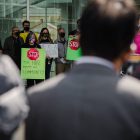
[(73, 50), (33, 63)]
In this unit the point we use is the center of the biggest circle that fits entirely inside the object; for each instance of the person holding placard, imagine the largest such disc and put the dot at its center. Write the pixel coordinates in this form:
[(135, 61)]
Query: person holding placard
[(31, 42), (45, 38), (61, 64), (76, 31)]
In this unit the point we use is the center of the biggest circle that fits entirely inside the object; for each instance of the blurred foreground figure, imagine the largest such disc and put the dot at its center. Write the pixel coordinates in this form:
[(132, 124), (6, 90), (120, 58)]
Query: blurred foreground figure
[(131, 68), (90, 103), (13, 102)]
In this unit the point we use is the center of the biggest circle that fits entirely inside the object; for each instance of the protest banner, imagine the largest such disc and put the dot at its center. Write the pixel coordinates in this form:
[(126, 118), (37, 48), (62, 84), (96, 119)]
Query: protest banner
[(73, 50), (33, 63), (51, 50)]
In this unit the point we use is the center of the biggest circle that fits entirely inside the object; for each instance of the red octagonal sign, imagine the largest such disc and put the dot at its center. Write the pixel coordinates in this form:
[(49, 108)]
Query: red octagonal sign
[(74, 44), (33, 54)]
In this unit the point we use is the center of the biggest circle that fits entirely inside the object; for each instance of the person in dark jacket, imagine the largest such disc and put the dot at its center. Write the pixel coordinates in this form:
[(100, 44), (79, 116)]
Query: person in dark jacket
[(62, 65), (31, 42), (45, 38), (76, 31), (12, 46)]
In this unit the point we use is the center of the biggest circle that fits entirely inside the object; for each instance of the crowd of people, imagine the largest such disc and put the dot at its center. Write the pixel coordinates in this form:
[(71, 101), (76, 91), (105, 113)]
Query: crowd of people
[(91, 101), (14, 43)]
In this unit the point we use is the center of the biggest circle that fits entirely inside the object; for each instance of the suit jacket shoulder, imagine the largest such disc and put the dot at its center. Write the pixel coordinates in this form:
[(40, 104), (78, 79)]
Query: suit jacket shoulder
[(49, 84), (89, 103)]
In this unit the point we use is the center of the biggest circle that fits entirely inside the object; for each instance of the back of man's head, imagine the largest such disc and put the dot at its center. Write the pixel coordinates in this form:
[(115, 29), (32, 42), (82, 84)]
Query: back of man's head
[(107, 28)]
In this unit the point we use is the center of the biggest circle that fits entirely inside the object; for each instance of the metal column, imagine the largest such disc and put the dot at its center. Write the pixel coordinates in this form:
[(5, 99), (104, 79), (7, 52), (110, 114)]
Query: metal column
[(28, 9)]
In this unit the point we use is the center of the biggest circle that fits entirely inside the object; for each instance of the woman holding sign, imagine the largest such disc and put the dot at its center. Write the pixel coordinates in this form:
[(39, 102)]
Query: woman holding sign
[(45, 38), (31, 42)]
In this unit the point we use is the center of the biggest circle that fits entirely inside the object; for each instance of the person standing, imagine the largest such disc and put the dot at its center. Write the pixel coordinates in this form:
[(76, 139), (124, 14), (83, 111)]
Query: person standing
[(85, 104), (31, 42), (45, 38), (12, 46), (62, 65), (76, 31)]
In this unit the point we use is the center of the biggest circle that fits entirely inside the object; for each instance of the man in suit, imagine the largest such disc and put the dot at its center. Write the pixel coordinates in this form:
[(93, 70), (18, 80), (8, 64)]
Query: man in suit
[(86, 103)]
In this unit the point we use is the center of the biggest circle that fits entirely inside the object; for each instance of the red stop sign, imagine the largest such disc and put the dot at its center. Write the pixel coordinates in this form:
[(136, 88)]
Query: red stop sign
[(33, 54), (74, 44)]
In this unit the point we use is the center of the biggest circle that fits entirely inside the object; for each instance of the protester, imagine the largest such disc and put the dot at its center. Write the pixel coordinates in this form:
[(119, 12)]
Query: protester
[(31, 42), (26, 26), (62, 65), (76, 31), (12, 46), (13, 101), (45, 38)]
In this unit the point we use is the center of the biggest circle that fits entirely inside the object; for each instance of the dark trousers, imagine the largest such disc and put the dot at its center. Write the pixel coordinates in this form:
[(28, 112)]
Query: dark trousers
[(32, 82), (48, 68)]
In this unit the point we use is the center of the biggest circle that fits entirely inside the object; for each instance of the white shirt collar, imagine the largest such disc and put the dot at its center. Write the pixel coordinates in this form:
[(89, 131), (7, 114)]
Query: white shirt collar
[(95, 60)]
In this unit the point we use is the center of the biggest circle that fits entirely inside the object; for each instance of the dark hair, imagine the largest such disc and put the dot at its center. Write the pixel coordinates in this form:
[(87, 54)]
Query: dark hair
[(29, 36), (40, 36), (107, 28), (25, 21)]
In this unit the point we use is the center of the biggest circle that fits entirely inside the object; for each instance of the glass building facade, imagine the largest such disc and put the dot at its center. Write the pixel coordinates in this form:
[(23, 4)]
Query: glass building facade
[(41, 13)]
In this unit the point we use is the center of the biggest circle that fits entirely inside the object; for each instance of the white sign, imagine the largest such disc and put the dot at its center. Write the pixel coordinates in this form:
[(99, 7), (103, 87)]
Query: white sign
[(51, 50)]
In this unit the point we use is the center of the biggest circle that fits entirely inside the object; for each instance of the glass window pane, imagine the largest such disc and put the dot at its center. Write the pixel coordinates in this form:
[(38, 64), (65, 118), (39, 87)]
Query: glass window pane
[(54, 14), (12, 12)]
